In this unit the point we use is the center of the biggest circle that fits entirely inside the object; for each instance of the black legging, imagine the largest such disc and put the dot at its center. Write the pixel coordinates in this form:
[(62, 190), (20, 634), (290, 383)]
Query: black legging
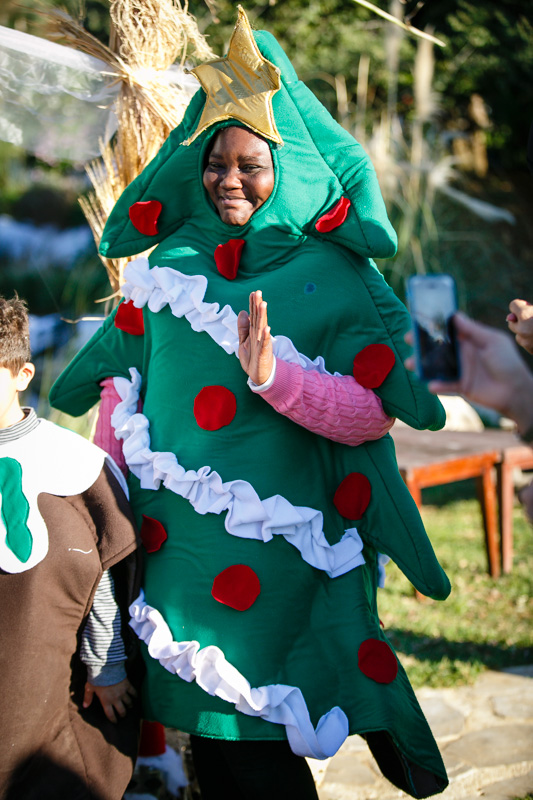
[(250, 770)]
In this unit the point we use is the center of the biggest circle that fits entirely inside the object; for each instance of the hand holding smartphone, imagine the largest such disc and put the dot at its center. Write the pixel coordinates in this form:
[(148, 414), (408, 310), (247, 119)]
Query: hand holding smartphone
[(432, 302)]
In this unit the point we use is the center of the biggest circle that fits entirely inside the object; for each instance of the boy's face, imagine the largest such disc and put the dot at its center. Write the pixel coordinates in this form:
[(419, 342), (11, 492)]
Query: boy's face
[(10, 386)]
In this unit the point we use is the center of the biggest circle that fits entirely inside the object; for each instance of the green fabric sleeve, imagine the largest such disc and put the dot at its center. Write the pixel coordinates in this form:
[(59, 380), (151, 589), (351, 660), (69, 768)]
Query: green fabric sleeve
[(381, 312), (109, 353), (121, 238), (404, 540)]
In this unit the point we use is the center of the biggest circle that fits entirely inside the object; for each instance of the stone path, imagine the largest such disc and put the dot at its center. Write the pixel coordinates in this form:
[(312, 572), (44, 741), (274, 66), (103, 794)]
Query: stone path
[(485, 734)]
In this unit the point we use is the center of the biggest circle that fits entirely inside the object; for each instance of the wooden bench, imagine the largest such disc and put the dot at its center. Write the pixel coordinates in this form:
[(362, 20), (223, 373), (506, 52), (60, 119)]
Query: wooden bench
[(517, 455), (434, 458)]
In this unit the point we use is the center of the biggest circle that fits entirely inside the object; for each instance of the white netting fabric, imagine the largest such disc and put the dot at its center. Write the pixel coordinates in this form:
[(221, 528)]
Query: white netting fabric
[(55, 101)]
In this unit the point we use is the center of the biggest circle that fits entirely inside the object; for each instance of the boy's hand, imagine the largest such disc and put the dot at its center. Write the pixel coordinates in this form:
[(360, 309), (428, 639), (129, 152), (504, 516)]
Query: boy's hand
[(115, 698)]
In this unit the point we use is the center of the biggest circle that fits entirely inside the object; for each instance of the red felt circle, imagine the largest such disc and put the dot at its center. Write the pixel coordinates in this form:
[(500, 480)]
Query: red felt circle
[(334, 217), (237, 586), (144, 216), (214, 407), (129, 319), (372, 365), (353, 496), (228, 256), (153, 534), (377, 661)]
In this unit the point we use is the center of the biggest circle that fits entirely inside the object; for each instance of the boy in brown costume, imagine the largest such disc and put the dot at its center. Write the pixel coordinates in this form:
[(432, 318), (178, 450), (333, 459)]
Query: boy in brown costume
[(68, 570)]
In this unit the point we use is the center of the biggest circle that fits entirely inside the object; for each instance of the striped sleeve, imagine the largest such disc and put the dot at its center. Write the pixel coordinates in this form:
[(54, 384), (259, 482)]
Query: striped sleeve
[(102, 646)]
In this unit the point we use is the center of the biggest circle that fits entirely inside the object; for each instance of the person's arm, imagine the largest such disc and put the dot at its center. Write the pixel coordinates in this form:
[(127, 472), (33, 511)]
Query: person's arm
[(104, 435), (110, 351), (335, 407), (493, 373), (520, 321), (104, 655)]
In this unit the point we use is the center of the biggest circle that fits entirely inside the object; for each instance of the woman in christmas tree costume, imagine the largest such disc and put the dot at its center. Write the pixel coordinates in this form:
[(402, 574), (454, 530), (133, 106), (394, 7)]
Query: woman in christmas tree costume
[(263, 536)]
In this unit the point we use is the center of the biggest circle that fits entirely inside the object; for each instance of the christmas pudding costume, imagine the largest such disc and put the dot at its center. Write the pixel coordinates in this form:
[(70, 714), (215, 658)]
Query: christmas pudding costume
[(262, 539), (64, 520)]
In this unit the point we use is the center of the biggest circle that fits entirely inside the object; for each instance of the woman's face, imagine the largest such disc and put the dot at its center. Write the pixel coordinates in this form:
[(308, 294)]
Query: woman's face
[(239, 175)]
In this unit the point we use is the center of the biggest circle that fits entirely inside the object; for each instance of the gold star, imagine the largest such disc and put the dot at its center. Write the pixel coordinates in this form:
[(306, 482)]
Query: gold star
[(240, 86)]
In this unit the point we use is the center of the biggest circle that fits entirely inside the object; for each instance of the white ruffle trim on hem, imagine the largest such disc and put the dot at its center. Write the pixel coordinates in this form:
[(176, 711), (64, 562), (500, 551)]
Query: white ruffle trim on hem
[(161, 286), (278, 703), (248, 516)]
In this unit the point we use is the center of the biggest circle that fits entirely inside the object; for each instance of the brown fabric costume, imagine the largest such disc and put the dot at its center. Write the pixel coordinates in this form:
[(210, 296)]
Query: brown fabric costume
[(50, 747)]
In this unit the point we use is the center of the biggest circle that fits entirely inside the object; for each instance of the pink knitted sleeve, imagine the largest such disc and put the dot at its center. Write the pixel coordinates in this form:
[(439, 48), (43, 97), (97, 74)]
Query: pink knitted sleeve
[(337, 408), (104, 435)]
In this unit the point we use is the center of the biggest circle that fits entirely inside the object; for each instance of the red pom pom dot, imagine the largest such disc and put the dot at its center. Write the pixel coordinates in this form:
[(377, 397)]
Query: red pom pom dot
[(353, 496), (237, 586), (214, 407), (334, 217), (372, 365), (377, 661), (129, 319), (228, 256), (144, 216), (153, 534)]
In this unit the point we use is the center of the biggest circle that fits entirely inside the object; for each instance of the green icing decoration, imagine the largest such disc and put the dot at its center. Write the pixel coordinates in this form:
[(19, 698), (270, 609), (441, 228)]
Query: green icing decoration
[(305, 629), (15, 509)]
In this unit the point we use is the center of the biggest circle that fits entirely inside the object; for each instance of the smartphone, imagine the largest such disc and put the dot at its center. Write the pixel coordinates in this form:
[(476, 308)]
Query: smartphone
[(432, 302)]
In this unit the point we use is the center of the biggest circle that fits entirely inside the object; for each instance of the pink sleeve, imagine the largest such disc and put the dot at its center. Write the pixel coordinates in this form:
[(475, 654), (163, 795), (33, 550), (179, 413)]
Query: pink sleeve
[(338, 408), (104, 435)]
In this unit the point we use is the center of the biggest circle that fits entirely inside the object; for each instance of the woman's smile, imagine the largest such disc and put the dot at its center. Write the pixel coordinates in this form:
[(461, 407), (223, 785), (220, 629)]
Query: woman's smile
[(239, 175)]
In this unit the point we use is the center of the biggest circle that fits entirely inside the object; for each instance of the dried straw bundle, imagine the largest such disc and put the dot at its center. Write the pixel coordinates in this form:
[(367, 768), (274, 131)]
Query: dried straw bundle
[(148, 36)]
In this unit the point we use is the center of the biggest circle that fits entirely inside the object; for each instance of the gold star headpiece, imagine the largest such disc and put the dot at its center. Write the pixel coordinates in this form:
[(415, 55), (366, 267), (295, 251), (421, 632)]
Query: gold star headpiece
[(240, 86)]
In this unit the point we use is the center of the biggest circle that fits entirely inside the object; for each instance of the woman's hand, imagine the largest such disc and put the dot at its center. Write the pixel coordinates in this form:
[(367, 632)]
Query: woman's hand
[(255, 343), (115, 699)]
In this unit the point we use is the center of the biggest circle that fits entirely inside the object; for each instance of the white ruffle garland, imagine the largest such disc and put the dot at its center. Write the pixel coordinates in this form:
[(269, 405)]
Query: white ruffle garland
[(161, 286), (277, 703), (247, 515)]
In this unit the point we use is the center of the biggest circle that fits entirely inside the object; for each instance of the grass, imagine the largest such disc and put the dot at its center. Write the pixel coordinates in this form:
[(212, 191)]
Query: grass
[(485, 623)]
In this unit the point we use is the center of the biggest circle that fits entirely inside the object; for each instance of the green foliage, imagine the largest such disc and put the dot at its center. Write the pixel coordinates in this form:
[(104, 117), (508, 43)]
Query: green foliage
[(489, 47), (323, 38), (489, 50), (27, 16), (484, 624), (73, 292), (489, 261)]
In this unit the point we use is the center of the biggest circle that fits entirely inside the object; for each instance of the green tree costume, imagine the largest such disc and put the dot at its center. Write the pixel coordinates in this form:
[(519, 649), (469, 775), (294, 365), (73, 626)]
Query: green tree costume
[(259, 610)]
